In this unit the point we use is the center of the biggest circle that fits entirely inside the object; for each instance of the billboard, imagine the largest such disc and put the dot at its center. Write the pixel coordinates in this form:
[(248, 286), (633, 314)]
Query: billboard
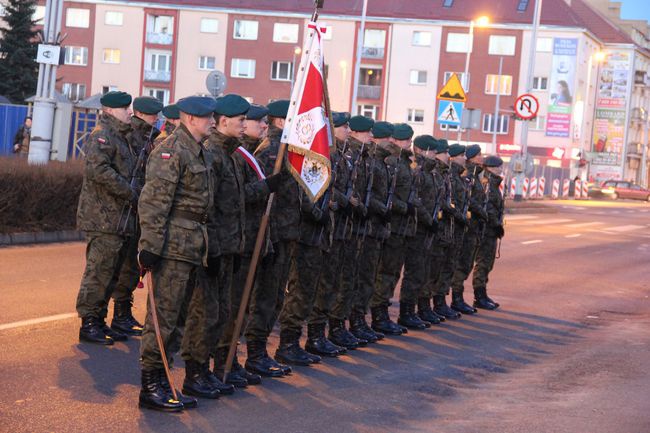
[(562, 86)]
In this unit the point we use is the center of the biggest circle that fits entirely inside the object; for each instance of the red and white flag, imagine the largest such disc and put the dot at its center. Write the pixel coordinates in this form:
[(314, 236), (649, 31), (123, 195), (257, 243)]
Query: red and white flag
[(307, 131)]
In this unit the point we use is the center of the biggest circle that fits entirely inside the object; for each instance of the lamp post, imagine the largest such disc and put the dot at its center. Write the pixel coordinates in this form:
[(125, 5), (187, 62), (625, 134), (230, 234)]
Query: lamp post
[(496, 104), (296, 52), (357, 63)]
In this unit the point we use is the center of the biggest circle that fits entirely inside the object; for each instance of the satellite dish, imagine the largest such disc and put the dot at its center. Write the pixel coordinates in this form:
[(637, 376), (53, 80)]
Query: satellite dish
[(216, 83)]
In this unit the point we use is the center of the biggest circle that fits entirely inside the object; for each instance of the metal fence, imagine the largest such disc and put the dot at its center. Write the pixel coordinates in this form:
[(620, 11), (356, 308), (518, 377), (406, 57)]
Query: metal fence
[(11, 117)]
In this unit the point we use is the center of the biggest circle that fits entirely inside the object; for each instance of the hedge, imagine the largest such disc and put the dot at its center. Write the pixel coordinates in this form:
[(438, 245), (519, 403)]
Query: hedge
[(38, 198)]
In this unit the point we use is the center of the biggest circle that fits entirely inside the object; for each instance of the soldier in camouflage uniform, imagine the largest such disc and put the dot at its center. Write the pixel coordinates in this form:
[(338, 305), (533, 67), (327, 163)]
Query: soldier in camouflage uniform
[(418, 257), (475, 228), (106, 196), (178, 246), (403, 225), (267, 296), (172, 120), (140, 138), (487, 248)]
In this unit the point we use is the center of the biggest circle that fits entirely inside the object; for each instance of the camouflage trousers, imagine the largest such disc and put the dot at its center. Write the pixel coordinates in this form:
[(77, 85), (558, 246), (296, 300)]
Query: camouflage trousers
[(176, 285), (450, 261), (329, 285), (129, 273), (466, 258), (347, 280), (417, 266), (105, 254), (268, 293), (236, 292), (367, 274), (304, 277), (485, 257), (393, 254), (439, 253)]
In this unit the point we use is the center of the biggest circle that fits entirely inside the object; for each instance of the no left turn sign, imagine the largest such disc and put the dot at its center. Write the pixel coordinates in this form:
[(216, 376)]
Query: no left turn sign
[(526, 106)]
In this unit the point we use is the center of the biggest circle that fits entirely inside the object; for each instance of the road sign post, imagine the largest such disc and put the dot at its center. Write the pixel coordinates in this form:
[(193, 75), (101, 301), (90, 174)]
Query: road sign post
[(451, 103)]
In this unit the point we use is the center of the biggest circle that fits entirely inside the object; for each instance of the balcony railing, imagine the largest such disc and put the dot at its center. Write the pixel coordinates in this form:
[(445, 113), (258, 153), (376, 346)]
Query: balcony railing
[(372, 53), (160, 38), (160, 76), (369, 92)]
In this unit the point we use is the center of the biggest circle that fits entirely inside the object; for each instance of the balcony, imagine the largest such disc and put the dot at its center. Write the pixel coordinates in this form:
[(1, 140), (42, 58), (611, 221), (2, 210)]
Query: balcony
[(372, 53), (368, 92), (160, 38), (158, 76)]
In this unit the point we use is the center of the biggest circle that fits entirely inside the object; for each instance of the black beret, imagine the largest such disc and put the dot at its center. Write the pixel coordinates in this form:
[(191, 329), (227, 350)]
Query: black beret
[(340, 118), (456, 149), (442, 146), (423, 142), (382, 129), (200, 106), (115, 99), (402, 131), (361, 123), (493, 161), (472, 150), (256, 112), (279, 108), (231, 105), (147, 105), (171, 112)]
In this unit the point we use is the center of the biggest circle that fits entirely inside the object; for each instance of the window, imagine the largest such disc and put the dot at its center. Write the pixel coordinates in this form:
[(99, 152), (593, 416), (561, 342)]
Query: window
[(418, 77), (74, 91), (522, 6), (492, 83), (415, 116), (242, 68), (421, 39), (77, 18), (160, 61), (76, 56), (39, 15), (374, 38), (160, 94), (209, 25), (160, 24), (281, 71), (502, 45), (449, 127), (538, 124), (540, 83), (367, 110), (544, 45), (106, 89), (457, 42), (447, 3), (461, 76), (285, 33), (206, 63), (112, 55), (502, 127), (245, 30), (113, 18)]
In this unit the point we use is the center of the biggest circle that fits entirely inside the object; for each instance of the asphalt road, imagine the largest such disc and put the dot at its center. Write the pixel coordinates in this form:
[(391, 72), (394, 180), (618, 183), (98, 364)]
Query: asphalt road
[(567, 352)]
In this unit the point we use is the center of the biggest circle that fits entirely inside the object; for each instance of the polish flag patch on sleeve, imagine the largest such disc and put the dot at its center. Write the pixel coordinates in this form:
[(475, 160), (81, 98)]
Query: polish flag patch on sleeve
[(165, 155)]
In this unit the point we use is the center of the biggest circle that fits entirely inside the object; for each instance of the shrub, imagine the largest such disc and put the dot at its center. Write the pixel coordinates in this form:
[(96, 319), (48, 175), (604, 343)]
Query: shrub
[(36, 198)]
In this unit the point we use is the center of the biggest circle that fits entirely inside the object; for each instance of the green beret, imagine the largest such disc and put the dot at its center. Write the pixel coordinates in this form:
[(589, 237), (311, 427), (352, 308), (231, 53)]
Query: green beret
[(456, 149), (493, 161), (472, 151), (340, 118), (200, 106), (231, 105), (442, 146), (382, 129), (279, 108), (171, 112), (115, 99), (361, 123), (147, 105), (256, 112), (423, 142), (402, 131)]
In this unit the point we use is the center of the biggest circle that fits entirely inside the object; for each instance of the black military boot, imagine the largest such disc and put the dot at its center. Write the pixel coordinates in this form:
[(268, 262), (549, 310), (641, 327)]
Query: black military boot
[(482, 301), (196, 383), (123, 320), (340, 336), (381, 321), (91, 331), (251, 378), (233, 378), (360, 329), (259, 362), (289, 350), (496, 304), (459, 304), (188, 402), (223, 388), (115, 335), (408, 318), (441, 308), (154, 396), (317, 342), (426, 313)]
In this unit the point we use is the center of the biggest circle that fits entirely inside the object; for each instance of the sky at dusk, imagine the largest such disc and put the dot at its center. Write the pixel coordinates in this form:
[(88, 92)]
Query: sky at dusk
[(636, 9)]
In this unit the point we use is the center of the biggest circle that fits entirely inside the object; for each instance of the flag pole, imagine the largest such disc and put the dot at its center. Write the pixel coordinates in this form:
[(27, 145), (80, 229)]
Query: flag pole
[(259, 241)]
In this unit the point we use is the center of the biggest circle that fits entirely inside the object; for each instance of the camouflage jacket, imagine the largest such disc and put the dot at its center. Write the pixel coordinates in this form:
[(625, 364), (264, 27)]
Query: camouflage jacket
[(229, 198), (141, 134), (342, 164), (176, 209), (285, 214), (400, 166), (313, 231), (495, 204), (359, 154), (459, 193), (106, 191), (167, 130), (427, 194), (477, 200), (376, 224)]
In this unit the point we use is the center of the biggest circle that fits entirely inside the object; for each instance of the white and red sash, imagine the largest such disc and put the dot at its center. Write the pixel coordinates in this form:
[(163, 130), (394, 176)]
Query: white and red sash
[(251, 161)]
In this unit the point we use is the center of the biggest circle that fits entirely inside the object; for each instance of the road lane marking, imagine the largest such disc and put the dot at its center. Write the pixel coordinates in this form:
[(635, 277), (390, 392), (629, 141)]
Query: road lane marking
[(575, 235), (549, 221), (622, 229), (580, 225), (521, 217), (536, 241), (29, 322)]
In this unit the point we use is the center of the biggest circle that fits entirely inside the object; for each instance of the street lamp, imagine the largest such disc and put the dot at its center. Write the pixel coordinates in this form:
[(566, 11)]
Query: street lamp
[(481, 21), (296, 52)]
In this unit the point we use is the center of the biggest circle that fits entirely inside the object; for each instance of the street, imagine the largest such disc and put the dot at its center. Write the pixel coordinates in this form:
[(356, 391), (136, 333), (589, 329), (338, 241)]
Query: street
[(567, 351)]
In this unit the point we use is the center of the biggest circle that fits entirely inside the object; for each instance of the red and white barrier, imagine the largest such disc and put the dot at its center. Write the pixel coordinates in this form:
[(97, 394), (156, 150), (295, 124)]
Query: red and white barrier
[(577, 190), (585, 190), (513, 186), (533, 188), (555, 193), (565, 188), (524, 190), (541, 186), (502, 187)]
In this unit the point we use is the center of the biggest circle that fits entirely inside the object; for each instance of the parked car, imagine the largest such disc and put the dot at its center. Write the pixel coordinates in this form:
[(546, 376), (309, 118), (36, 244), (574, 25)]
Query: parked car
[(615, 189)]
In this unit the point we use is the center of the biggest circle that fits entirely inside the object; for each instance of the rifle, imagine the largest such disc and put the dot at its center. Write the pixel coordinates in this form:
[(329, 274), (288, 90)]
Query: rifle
[(349, 188), (501, 220), (428, 240), (366, 202), (410, 200), (328, 194), (393, 185)]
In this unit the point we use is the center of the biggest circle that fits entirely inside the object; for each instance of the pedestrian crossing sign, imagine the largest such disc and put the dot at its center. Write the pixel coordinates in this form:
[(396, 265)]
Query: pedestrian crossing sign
[(450, 113)]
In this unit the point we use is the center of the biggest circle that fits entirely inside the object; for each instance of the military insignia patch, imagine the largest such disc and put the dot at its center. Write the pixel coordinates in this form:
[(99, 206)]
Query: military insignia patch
[(101, 140), (165, 155)]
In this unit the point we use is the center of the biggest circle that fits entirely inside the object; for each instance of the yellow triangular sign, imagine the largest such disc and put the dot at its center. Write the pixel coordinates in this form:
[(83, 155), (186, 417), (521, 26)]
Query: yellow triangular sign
[(453, 90)]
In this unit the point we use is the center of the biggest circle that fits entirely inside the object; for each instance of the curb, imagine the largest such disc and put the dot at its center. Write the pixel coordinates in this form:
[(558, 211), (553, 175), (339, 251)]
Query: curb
[(10, 239)]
